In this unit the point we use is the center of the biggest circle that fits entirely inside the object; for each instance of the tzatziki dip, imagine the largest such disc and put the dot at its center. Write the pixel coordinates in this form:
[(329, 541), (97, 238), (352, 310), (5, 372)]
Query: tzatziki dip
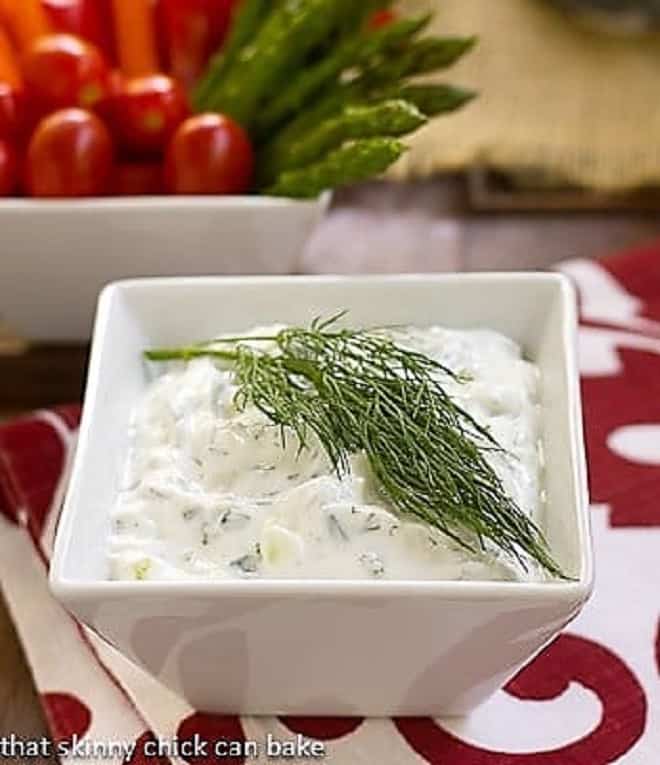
[(213, 492)]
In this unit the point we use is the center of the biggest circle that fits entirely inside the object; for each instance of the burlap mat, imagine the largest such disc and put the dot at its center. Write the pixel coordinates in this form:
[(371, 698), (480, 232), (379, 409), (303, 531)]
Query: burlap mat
[(555, 97)]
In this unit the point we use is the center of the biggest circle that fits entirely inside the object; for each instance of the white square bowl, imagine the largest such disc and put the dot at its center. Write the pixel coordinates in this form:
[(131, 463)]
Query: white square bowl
[(325, 647), (56, 255)]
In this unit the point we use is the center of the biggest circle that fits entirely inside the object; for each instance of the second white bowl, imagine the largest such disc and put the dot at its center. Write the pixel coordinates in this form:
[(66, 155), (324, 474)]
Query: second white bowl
[(56, 255)]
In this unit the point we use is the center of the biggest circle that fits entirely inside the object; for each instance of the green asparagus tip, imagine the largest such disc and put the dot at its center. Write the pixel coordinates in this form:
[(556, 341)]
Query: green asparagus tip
[(355, 162)]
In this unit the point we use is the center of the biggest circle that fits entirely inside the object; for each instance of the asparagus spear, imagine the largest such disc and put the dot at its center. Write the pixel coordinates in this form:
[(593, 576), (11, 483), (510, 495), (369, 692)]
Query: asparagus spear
[(246, 23), (351, 163), (429, 99), (293, 29), (425, 55), (353, 50), (390, 118), (422, 56), (329, 105)]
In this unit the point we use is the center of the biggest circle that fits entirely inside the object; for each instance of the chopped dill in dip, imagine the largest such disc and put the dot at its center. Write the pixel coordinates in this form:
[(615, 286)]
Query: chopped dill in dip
[(213, 491)]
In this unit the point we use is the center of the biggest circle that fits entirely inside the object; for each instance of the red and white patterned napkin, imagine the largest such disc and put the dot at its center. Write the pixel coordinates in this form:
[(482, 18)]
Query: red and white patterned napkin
[(592, 697)]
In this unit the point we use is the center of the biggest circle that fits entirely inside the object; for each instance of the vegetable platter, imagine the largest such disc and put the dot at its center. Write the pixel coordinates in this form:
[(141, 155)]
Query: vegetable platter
[(191, 137), (146, 97)]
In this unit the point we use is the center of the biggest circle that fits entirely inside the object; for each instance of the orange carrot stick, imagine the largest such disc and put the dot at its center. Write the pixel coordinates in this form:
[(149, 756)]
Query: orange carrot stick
[(26, 21), (136, 37), (10, 74)]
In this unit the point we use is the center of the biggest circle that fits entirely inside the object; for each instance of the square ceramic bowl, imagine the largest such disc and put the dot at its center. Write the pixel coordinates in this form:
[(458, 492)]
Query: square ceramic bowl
[(56, 255), (324, 647)]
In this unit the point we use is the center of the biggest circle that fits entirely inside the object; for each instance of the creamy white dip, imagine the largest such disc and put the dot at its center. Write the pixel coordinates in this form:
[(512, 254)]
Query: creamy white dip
[(211, 493)]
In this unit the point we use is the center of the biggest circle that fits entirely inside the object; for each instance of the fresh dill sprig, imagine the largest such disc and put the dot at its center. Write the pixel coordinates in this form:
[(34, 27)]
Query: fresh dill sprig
[(357, 391)]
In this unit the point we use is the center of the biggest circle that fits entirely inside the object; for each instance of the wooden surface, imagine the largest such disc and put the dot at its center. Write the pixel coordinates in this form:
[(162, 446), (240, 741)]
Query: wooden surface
[(427, 227), (493, 192), (42, 376), (440, 226)]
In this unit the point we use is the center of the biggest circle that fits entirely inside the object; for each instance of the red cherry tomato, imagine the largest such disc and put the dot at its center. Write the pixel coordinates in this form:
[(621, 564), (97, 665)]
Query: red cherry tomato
[(89, 19), (382, 18), (209, 154), (8, 169), (65, 15), (191, 31), (13, 113), (138, 179), (64, 71), (106, 108), (116, 83), (70, 155), (147, 111)]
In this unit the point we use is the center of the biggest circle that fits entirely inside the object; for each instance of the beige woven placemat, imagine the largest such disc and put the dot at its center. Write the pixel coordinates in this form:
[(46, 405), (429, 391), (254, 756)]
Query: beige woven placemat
[(555, 97)]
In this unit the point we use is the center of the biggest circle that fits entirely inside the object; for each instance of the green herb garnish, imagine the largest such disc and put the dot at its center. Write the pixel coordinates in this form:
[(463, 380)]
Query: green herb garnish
[(358, 391)]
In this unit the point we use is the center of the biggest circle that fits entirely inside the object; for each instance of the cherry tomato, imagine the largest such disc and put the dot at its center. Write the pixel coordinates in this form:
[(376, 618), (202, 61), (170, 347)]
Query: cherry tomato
[(89, 19), (382, 18), (8, 169), (147, 111), (138, 179), (191, 31), (209, 154), (64, 71), (65, 15), (13, 113), (116, 83), (106, 107), (70, 155)]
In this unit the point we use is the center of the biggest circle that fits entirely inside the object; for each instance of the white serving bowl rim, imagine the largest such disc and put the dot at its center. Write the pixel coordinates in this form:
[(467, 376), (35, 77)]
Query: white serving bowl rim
[(112, 203)]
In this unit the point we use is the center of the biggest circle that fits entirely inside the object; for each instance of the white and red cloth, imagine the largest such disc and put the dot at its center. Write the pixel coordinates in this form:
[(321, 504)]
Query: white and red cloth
[(592, 697)]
